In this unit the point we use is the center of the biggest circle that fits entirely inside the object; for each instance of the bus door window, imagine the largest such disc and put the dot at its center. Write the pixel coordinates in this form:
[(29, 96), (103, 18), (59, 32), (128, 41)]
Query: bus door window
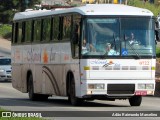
[(75, 40), (76, 36)]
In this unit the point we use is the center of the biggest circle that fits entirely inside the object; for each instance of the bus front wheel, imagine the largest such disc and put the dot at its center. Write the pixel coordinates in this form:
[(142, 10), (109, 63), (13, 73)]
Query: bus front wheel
[(135, 100), (72, 97)]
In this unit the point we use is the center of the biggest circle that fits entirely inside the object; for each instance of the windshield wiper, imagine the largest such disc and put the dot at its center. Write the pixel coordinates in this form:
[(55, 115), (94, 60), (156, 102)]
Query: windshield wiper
[(131, 47)]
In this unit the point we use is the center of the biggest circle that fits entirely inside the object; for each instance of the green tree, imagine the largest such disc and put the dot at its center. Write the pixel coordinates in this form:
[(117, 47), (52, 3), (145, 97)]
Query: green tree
[(24, 4), (156, 2), (9, 7), (155, 8)]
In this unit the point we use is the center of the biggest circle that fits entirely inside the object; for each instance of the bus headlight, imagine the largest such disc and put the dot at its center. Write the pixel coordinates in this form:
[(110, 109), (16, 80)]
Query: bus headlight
[(1, 70), (141, 86), (96, 86), (149, 86), (145, 86)]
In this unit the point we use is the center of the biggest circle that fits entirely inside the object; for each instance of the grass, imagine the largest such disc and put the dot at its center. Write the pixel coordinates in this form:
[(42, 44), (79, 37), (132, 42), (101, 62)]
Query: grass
[(17, 118), (5, 31), (158, 52), (21, 118)]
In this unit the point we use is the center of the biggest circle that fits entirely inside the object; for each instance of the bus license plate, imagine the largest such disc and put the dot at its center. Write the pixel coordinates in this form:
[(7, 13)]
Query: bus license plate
[(141, 93)]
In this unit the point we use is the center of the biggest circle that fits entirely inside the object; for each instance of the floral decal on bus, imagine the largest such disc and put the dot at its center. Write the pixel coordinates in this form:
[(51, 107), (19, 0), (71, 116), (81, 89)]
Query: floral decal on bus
[(45, 56), (109, 63)]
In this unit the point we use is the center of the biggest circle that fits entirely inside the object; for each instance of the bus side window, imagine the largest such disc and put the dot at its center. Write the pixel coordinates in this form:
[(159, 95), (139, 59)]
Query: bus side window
[(14, 32), (23, 32), (66, 27), (28, 30), (46, 27), (19, 32), (37, 30), (60, 34), (55, 28)]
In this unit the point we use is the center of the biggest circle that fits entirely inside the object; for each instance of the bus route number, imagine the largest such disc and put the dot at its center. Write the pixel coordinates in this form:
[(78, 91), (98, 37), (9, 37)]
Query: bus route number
[(144, 62)]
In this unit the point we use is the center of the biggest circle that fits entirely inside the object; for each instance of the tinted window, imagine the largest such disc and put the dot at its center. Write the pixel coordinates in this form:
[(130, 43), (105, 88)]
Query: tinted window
[(46, 29), (37, 30), (6, 61)]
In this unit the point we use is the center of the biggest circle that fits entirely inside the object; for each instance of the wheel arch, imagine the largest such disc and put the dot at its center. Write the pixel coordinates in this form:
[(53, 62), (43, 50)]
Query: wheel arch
[(68, 80), (29, 72)]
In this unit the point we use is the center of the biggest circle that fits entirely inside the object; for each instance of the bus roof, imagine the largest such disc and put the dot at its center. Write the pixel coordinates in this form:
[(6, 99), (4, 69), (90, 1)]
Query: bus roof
[(89, 9)]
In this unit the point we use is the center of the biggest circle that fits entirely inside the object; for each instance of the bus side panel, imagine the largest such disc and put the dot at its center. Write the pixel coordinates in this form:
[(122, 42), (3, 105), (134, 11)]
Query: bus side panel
[(26, 49), (16, 77), (35, 67), (52, 70), (25, 68), (16, 67), (49, 64), (37, 78)]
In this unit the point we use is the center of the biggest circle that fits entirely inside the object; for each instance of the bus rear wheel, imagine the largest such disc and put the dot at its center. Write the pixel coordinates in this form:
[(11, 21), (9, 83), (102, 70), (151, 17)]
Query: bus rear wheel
[(135, 100), (32, 95), (73, 99)]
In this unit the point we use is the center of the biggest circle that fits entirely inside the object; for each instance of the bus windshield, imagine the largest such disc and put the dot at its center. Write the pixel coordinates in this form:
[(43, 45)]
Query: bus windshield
[(130, 36)]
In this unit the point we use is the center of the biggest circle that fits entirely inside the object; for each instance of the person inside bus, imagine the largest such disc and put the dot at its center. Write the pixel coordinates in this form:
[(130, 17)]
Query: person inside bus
[(132, 40), (110, 51), (84, 47)]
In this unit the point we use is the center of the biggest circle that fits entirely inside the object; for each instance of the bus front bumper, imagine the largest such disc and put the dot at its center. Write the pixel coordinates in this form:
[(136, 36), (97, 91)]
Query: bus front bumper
[(117, 89)]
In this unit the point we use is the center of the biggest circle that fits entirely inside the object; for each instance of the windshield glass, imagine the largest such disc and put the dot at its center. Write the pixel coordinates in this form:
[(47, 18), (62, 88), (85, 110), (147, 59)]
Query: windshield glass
[(118, 37), (6, 61)]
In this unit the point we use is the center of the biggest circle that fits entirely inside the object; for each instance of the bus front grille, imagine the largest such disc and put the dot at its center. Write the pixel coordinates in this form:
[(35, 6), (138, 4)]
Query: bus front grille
[(120, 88)]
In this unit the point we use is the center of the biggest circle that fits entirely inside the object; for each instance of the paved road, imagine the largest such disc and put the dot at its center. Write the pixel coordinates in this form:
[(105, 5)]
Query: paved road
[(5, 52), (5, 47), (14, 100)]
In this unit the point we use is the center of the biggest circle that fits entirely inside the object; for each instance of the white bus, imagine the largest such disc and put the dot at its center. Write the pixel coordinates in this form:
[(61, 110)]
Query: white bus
[(85, 53)]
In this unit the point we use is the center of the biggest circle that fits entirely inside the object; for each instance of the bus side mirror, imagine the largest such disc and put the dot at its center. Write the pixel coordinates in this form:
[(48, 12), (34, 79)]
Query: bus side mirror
[(157, 37)]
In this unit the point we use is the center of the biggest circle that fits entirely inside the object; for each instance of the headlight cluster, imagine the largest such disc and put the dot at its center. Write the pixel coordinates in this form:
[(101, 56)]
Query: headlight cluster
[(95, 86), (1, 70), (145, 86)]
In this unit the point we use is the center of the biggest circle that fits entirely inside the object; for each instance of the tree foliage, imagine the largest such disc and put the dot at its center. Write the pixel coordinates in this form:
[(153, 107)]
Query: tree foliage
[(155, 8), (9, 7)]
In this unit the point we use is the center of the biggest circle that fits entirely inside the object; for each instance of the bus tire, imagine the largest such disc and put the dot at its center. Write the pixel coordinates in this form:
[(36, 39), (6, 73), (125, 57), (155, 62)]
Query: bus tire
[(31, 94), (135, 100), (43, 97), (73, 99)]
